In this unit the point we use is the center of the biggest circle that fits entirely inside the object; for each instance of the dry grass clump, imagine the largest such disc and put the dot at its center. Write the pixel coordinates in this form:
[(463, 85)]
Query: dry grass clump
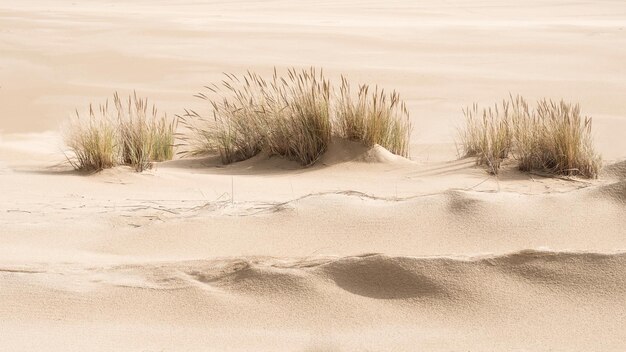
[(553, 137), (143, 138), (235, 130), (298, 124), (376, 118), (93, 141), (487, 136), (129, 137), (292, 116), (288, 116)]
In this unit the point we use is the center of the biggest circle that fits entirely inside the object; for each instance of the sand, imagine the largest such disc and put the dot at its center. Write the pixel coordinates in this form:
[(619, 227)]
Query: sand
[(365, 251)]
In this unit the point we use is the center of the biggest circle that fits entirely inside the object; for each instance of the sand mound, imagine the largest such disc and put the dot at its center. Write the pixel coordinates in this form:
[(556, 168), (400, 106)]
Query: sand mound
[(258, 279), (615, 191), (463, 203), (381, 277), (378, 154), (341, 151), (616, 170)]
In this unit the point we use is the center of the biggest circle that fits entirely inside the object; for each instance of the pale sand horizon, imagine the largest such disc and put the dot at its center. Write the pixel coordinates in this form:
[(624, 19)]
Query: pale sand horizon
[(364, 251)]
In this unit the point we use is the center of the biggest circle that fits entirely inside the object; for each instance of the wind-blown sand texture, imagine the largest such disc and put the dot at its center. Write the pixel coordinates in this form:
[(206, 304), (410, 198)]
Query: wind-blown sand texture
[(365, 251)]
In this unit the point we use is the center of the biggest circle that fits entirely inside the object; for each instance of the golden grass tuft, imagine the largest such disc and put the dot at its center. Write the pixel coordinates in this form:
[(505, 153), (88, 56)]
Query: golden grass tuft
[(292, 116), (93, 141), (235, 130), (131, 136), (144, 138), (288, 116), (376, 118), (487, 136), (298, 120), (553, 137)]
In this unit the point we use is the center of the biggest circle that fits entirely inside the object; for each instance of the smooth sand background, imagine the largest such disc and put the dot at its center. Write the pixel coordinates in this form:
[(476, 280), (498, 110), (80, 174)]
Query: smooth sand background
[(264, 256)]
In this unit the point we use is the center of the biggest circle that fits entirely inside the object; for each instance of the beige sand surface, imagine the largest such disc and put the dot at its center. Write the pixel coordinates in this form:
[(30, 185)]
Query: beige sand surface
[(363, 252)]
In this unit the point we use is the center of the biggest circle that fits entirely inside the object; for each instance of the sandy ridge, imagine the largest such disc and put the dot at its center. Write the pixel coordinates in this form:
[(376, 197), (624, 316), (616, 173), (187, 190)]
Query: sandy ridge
[(323, 303), (166, 275)]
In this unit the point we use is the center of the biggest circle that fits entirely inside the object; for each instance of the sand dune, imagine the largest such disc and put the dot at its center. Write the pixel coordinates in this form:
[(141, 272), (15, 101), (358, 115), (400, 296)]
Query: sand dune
[(519, 300), (192, 209), (150, 262), (365, 251)]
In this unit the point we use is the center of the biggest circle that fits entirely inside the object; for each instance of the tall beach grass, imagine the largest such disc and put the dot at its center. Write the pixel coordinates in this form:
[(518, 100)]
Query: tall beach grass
[(235, 129), (298, 123), (487, 135), (144, 137), (129, 135), (92, 140), (552, 137), (294, 116), (373, 117)]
